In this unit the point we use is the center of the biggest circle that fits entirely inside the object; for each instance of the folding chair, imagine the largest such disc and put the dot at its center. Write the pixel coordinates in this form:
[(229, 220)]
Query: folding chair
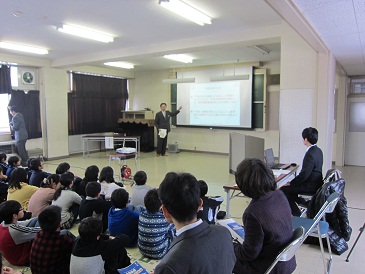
[(317, 228), (289, 251), (331, 176)]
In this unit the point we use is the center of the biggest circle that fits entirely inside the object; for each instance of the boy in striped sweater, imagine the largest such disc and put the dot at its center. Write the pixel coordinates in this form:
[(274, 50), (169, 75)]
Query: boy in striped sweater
[(154, 232), (16, 236)]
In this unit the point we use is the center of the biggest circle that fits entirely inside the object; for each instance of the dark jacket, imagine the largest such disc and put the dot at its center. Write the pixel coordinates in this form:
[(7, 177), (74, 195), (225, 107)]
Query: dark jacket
[(164, 123), (339, 227), (98, 208), (37, 177), (112, 252), (311, 173), (204, 249), (268, 229)]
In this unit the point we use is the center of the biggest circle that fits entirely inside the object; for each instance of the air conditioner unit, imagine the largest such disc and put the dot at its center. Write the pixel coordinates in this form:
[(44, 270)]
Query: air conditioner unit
[(173, 148)]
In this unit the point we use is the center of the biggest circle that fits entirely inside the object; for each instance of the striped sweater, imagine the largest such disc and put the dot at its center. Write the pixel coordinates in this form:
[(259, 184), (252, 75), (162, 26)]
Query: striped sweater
[(16, 241), (154, 234)]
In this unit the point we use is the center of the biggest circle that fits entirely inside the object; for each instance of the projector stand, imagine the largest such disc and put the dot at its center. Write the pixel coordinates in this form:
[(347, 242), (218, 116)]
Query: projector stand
[(352, 248)]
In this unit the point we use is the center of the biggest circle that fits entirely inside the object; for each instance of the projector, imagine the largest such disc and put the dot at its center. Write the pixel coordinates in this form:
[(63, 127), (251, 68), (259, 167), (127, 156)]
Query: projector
[(173, 148)]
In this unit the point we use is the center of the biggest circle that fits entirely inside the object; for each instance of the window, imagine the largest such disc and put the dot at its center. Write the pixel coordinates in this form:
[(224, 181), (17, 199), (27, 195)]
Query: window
[(14, 76), (4, 114)]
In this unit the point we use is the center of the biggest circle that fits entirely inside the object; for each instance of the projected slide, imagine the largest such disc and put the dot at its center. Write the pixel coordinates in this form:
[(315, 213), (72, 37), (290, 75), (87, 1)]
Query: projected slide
[(215, 104), (224, 104)]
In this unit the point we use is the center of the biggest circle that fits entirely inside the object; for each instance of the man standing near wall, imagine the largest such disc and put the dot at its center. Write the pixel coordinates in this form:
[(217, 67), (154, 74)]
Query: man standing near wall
[(162, 124), (20, 133)]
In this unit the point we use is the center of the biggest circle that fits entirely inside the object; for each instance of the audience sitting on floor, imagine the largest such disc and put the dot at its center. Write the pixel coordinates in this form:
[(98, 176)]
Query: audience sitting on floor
[(266, 220), (19, 190), (96, 253), (3, 163), (16, 236), (68, 200), (91, 175), (3, 186), (13, 163), (37, 174), (44, 195), (198, 247), (154, 232), (95, 206), (108, 184), (140, 189), (211, 204), (51, 248), (121, 219)]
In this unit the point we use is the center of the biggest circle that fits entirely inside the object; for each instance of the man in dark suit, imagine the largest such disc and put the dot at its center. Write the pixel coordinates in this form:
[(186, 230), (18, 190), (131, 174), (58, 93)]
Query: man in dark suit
[(162, 121), (198, 247), (310, 177), (20, 133)]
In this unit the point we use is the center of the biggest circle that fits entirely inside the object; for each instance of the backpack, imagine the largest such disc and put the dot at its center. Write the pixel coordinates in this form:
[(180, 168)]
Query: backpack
[(126, 172)]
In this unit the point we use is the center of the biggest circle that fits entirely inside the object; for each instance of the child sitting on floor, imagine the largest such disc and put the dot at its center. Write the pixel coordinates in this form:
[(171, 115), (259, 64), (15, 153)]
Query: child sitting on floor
[(16, 236), (44, 195), (211, 204), (95, 206), (13, 163), (96, 253), (19, 190), (123, 220), (37, 174), (3, 163), (3, 186), (107, 182), (51, 248), (68, 200), (154, 232), (140, 189)]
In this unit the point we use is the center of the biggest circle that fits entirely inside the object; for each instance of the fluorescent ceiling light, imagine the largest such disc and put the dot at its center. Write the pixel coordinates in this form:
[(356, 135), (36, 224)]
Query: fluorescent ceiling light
[(86, 33), (180, 80), (230, 78), (24, 48), (262, 49), (120, 65), (179, 57), (186, 11)]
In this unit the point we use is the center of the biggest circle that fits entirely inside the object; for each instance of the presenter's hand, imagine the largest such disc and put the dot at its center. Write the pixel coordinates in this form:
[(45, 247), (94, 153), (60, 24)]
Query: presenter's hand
[(180, 108)]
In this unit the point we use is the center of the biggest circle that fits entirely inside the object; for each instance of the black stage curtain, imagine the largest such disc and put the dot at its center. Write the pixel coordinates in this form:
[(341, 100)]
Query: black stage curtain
[(28, 105), (5, 81), (95, 103)]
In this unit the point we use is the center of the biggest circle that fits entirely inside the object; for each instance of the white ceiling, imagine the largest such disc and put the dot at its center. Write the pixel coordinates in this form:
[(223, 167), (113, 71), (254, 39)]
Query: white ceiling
[(341, 25), (145, 31)]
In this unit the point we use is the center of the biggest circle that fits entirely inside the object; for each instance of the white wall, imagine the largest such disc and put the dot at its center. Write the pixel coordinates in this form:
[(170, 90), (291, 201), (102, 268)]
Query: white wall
[(147, 90), (306, 97)]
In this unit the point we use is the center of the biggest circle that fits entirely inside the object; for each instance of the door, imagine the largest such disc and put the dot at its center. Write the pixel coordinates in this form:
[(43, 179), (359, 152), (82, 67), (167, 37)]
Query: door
[(355, 133)]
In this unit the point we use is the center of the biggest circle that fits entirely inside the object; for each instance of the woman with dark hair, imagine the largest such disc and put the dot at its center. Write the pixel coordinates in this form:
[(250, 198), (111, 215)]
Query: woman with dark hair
[(91, 175), (68, 200), (19, 190), (266, 220), (44, 195), (108, 184), (37, 174)]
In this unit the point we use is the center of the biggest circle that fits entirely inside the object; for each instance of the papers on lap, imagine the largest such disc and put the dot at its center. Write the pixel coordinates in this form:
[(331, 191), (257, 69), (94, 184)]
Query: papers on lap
[(236, 230), (134, 268)]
